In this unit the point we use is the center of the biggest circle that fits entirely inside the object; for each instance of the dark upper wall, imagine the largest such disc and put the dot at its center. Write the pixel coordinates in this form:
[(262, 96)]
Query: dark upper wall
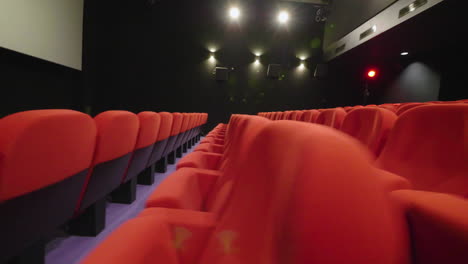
[(155, 57), (434, 70), (29, 83), (347, 15)]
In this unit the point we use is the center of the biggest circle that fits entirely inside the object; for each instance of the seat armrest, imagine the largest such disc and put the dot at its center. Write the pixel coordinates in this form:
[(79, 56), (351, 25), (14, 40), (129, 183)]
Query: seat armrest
[(201, 160), (391, 181), (438, 223), (184, 189)]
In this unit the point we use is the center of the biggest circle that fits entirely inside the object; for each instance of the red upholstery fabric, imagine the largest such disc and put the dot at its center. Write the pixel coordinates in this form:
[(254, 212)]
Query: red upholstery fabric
[(297, 206), (406, 107), (213, 148), (310, 116), (370, 125), (390, 107), (149, 129), (428, 145), (185, 122), (42, 147), (332, 117), (439, 226), (201, 160), (166, 126), (185, 189), (177, 119), (117, 134), (141, 240), (190, 230)]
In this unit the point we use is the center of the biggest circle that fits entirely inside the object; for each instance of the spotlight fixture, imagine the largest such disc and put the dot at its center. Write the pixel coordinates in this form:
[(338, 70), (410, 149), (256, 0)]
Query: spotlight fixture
[(212, 57), (301, 66), (404, 53), (283, 17), (257, 60), (234, 13)]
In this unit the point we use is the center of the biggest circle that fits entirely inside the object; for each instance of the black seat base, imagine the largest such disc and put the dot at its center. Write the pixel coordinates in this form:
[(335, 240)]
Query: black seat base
[(126, 193), (146, 177), (90, 222)]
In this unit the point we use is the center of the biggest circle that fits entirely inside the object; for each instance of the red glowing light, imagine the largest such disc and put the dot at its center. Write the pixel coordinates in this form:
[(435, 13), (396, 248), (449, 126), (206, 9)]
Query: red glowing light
[(372, 73)]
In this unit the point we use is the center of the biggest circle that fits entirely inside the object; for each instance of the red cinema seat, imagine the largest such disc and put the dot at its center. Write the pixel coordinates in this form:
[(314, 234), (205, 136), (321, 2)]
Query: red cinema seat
[(190, 133), (405, 107), (428, 145), (370, 125), (332, 117), (310, 116), (182, 134), (293, 115), (219, 148), (147, 135), (390, 107), (45, 156), (169, 151), (215, 180), (158, 149), (286, 194), (243, 133), (117, 133)]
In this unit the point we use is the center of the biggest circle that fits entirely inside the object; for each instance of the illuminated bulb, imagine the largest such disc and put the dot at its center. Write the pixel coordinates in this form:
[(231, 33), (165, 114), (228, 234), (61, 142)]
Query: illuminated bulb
[(411, 8), (404, 53), (374, 28), (257, 61), (234, 12), (301, 66), (372, 73), (212, 58), (283, 17)]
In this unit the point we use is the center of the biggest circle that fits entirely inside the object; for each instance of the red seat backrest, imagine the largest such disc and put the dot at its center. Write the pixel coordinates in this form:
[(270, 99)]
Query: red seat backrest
[(248, 129), (166, 126), (117, 135), (310, 116), (370, 125), (405, 107), (332, 117), (428, 145), (42, 147), (149, 129), (177, 119), (285, 199)]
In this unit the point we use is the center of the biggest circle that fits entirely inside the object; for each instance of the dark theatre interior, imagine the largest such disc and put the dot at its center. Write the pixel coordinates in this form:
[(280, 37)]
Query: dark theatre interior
[(233, 132)]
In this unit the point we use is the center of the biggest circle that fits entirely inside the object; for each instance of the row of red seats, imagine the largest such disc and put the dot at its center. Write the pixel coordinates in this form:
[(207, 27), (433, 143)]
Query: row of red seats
[(370, 124), (312, 115), (262, 191), (58, 166)]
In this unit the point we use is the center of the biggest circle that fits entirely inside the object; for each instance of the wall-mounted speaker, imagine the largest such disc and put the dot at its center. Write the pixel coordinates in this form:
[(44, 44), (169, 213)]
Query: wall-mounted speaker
[(221, 74), (321, 71), (274, 71)]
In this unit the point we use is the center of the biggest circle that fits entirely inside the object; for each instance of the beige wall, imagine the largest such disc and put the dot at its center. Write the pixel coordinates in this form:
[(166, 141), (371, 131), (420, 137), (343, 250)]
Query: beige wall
[(47, 29)]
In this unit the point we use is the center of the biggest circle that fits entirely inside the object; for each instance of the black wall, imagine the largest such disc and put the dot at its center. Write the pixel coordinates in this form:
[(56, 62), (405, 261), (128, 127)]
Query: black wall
[(153, 55), (347, 15), (29, 83), (434, 69)]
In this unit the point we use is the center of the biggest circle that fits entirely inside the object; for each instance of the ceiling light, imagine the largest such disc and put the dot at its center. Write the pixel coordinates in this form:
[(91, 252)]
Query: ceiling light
[(404, 53), (234, 13), (283, 17)]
